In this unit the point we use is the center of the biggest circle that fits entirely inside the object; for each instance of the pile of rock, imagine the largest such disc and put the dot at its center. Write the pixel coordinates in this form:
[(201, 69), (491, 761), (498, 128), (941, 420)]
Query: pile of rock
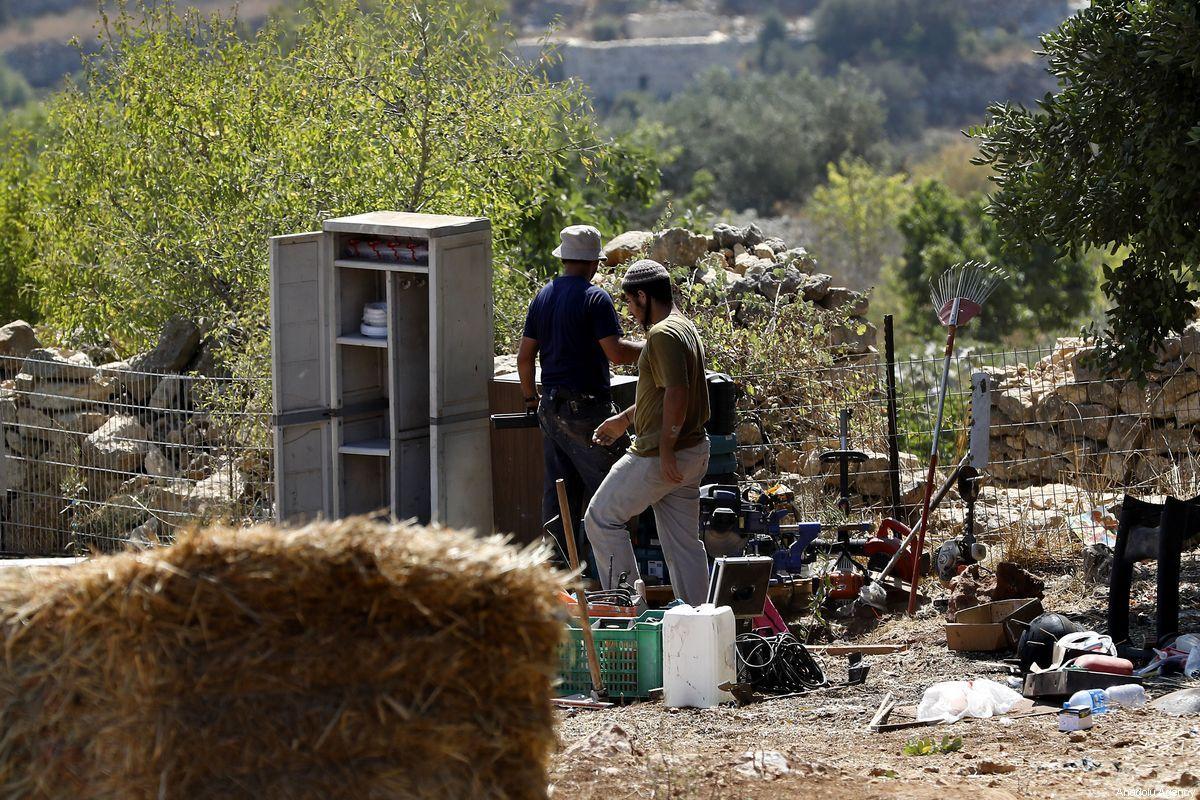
[(799, 464), (740, 263), (1062, 419), (109, 452)]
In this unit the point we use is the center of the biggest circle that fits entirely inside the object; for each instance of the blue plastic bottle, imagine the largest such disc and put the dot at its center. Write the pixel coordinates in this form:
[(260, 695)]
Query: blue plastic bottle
[(1097, 699)]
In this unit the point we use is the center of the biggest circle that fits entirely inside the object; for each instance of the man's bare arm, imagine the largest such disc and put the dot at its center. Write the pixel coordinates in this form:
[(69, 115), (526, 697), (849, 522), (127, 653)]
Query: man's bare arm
[(675, 400), (621, 351), (527, 370)]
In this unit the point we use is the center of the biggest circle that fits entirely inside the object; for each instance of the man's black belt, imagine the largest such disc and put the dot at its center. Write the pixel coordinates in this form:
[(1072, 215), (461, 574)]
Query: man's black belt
[(569, 395)]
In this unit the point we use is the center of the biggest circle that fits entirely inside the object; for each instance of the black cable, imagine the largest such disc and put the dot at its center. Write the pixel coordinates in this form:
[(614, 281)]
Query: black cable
[(778, 664)]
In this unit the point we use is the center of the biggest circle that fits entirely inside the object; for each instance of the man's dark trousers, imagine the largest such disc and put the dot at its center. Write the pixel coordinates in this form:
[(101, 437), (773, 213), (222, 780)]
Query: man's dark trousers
[(567, 420)]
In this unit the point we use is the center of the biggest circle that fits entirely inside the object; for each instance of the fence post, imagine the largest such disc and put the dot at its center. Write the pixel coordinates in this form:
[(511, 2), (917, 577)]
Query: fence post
[(889, 344)]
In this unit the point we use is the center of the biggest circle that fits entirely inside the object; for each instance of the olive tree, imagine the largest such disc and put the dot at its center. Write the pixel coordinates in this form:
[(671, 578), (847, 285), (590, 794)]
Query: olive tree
[(1112, 160), (187, 143)]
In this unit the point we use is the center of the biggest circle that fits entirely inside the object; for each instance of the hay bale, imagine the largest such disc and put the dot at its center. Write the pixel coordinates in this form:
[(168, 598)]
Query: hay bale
[(346, 659)]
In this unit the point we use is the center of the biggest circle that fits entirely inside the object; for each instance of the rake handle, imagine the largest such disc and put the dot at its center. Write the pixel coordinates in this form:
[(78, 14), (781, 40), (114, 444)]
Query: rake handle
[(581, 602), (933, 459)]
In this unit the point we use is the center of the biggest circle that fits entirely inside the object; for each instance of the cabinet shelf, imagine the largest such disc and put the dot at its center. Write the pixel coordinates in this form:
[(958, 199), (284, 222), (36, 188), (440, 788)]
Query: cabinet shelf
[(386, 266), (367, 447), (358, 340)]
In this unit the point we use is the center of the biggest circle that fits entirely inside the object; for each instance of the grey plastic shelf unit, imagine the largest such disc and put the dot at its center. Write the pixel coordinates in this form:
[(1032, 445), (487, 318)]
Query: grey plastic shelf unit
[(396, 424)]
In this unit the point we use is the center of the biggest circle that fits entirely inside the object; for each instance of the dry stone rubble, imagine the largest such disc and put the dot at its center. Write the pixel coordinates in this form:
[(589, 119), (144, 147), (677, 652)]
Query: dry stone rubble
[(116, 452)]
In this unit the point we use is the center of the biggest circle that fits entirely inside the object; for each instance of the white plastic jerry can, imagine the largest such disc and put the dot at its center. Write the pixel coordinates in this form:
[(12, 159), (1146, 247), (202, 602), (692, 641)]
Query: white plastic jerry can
[(698, 655)]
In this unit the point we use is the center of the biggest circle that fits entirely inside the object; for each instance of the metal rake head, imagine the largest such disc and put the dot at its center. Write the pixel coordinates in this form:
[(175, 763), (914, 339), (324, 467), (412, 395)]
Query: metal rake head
[(959, 294)]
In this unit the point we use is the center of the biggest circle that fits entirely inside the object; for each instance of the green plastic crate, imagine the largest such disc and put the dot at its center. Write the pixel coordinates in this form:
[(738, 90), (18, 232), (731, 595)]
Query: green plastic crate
[(630, 660)]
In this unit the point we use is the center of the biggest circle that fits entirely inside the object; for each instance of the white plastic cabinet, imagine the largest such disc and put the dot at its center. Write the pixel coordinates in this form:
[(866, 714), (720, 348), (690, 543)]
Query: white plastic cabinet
[(396, 423)]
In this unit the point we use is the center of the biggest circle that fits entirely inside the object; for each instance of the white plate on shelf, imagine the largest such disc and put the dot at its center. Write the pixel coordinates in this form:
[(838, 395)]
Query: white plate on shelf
[(373, 331)]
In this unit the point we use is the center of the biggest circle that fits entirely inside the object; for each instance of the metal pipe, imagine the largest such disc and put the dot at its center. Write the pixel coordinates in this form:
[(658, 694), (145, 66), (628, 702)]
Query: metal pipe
[(889, 342)]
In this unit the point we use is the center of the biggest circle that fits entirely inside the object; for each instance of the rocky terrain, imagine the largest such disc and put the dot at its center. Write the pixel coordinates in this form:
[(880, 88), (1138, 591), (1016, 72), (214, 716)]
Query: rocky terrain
[(752, 272), (116, 453)]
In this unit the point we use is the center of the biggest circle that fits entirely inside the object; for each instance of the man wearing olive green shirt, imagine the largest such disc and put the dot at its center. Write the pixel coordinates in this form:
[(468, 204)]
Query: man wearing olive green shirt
[(669, 455)]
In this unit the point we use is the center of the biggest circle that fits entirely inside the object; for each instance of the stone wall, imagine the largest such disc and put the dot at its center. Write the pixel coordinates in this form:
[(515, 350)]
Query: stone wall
[(679, 22), (120, 453), (660, 67), (1062, 419)]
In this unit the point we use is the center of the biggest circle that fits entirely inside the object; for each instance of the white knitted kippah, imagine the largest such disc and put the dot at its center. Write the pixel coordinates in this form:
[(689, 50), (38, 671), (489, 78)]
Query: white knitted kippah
[(643, 271)]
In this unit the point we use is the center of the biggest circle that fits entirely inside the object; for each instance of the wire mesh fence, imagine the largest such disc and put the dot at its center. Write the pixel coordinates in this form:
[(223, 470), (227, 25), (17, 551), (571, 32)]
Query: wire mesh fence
[(1066, 442), (95, 459), (104, 458)]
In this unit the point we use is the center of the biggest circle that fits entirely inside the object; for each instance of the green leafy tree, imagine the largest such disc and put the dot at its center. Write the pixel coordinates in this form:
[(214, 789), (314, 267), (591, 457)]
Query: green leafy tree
[(1112, 160), (1043, 293), (772, 41), (923, 31), (14, 90), (853, 217), (767, 138), (188, 144), (20, 192)]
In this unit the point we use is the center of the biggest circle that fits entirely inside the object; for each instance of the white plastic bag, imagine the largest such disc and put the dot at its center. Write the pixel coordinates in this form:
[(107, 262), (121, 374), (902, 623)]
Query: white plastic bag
[(952, 700)]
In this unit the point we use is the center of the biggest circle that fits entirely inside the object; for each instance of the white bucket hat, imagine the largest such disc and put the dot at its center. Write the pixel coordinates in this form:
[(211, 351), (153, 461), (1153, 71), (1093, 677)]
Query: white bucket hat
[(579, 243)]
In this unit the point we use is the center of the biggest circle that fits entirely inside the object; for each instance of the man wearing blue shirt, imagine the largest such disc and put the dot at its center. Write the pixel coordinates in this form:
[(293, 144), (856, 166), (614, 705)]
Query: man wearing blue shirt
[(573, 328)]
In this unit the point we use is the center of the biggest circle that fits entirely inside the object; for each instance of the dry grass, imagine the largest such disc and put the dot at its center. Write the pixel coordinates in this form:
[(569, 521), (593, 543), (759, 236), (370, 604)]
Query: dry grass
[(347, 659)]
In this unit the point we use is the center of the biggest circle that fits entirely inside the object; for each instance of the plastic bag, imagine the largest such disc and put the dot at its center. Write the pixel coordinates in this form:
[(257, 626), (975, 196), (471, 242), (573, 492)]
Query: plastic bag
[(952, 700)]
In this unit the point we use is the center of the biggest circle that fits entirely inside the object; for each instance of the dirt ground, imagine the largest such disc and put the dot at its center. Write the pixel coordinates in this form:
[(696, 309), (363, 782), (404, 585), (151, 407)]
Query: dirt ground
[(830, 753)]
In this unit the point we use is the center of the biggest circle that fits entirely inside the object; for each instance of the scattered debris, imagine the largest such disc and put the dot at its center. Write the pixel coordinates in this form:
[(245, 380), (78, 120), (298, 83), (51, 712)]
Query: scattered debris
[(973, 587), (1097, 563), (762, 764), (993, 768), (1186, 780), (1184, 702), (609, 742), (950, 701)]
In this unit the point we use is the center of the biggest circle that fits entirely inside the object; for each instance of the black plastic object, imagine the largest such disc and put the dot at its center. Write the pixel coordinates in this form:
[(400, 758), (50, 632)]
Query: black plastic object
[(741, 584), (856, 670), (1066, 682), (1147, 531), (843, 457), (1037, 642), (722, 404)]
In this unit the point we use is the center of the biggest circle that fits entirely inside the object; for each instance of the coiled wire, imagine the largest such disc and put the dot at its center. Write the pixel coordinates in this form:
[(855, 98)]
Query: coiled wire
[(778, 664)]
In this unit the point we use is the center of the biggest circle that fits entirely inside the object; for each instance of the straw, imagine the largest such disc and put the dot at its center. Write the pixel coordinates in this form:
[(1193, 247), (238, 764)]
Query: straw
[(345, 659)]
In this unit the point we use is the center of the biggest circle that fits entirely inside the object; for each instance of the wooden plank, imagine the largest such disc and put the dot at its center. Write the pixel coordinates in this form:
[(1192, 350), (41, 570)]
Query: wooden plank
[(903, 726), (589, 705), (848, 649), (518, 468), (884, 710)]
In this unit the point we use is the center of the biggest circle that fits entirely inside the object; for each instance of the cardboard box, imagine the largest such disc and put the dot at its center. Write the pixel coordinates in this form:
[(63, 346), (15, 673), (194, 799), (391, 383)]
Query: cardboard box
[(985, 628)]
